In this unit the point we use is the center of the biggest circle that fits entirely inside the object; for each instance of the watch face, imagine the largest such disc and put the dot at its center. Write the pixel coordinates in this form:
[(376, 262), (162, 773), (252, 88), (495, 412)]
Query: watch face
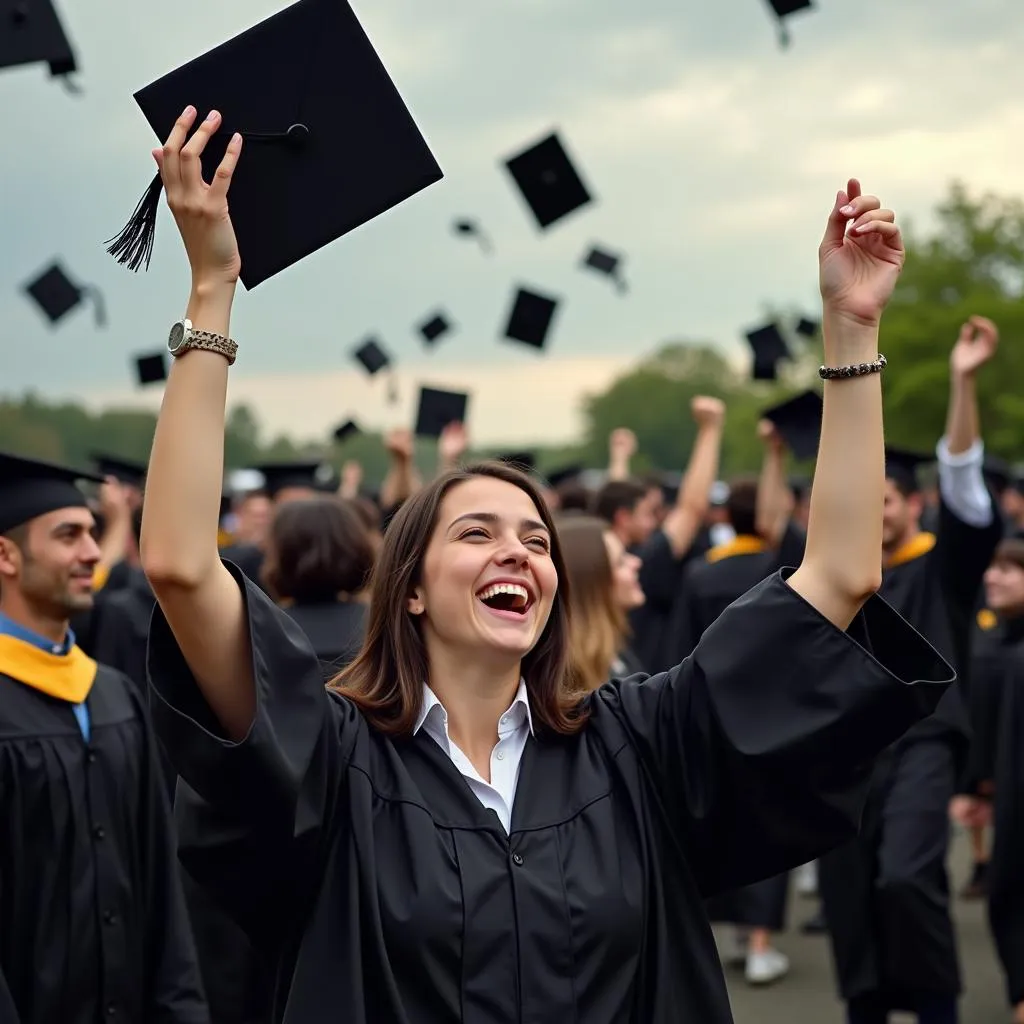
[(174, 342)]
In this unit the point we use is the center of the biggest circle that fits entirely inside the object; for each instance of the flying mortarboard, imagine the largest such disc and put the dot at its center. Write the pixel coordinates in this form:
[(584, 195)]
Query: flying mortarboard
[(807, 328), (468, 228), (435, 327), (151, 368), (608, 264), (30, 33), (347, 429), (437, 409), (782, 10), (127, 472), (372, 356), (769, 348), (798, 421), (29, 488), (57, 295), (280, 476), (526, 461), (548, 181), (326, 132), (903, 466), (529, 320)]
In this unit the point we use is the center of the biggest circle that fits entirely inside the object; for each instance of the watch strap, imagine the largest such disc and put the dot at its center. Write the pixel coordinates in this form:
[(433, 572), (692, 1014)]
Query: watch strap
[(206, 341)]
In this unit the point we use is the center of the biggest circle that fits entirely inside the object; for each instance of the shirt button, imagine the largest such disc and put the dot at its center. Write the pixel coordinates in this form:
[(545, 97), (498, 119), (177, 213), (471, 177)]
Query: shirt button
[(504, 719), (501, 755), (111, 1010), (99, 831), (109, 917), (517, 860), (91, 757)]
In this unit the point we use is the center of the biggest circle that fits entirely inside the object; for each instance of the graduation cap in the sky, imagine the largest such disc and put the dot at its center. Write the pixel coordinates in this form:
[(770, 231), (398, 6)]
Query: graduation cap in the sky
[(548, 181), (782, 9), (56, 295), (151, 368), (437, 409), (604, 262), (31, 32), (374, 359), (904, 466), (798, 421), (346, 430), (125, 471), (466, 227), (434, 327), (529, 319), (807, 328), (326, 134), (29, 488), (769, 348)]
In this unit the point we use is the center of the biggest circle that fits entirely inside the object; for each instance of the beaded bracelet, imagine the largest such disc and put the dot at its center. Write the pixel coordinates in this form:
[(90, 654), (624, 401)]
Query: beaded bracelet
[(853, 370)]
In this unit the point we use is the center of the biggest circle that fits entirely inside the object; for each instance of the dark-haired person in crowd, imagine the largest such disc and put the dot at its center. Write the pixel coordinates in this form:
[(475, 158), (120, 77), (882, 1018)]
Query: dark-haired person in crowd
[(449, 832), (886, 895), (318, 562), (631, 510), (994, 786)]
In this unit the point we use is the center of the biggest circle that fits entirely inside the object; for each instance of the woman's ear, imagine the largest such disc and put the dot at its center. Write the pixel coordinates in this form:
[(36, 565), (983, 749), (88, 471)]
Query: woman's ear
[(414, 605)]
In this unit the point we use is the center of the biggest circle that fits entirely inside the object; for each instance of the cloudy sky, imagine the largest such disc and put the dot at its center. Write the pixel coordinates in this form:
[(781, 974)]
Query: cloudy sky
[(714, 158)]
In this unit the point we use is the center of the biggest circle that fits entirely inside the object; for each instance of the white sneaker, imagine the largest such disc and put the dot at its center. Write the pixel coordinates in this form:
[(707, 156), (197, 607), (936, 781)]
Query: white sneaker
[(767, 967), (733, 952), (807, 879)]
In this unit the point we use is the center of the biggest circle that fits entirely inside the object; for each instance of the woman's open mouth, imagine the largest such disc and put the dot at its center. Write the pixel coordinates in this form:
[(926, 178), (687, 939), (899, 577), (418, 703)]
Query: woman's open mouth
[(507, 600)]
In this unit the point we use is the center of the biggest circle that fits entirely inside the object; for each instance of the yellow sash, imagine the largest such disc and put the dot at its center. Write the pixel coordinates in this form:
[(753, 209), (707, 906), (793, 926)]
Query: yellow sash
[(987, 619), (914, 548), (744, 544), (100, 576), (225, 539), (64, 676)]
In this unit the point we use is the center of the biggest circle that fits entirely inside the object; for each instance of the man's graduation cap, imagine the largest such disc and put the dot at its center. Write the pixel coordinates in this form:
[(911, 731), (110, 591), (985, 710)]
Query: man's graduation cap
[(437, 409), (30, 33), (125, 471), (529, 319), (903, 467), (782, 9), (347, 429), (997, 473), (798, 421), (769, 348), (56, 295), (374, 359), (29, 488), (326, 132), (564, 475), (525, 461), (466, 227), (434, 327), (280, 476), (151, 368), (548, 181), (606, 263)]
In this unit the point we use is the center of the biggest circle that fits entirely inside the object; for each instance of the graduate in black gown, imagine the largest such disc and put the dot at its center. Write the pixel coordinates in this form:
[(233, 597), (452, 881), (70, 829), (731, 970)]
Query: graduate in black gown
[(92, 922), (318, 562), (886, 896), (449, 833)]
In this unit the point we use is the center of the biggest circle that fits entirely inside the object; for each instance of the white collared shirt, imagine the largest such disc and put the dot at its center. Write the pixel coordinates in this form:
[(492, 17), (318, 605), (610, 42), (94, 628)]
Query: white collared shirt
[(962, 484), (514, 728)]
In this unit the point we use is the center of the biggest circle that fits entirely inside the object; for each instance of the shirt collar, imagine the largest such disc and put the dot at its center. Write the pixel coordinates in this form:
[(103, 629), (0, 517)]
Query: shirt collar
[(433, 710), (8, 627)]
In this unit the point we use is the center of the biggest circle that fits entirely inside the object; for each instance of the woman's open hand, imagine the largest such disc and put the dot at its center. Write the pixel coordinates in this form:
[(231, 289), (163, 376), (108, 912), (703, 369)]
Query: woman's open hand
[(201, 210), (858, 267)]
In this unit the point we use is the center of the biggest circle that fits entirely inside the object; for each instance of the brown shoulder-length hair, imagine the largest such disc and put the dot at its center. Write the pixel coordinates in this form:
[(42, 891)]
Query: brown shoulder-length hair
[(386, 679), (599, 626)]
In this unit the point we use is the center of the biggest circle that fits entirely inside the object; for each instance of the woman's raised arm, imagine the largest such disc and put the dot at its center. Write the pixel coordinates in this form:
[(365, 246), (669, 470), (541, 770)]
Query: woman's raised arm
[(200, 599), (860, 259)]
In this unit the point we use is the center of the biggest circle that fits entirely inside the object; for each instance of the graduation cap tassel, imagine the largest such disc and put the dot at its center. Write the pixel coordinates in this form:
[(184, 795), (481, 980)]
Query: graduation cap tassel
[(392, 390), (134, 244), (485, 244), (99, 306), (784, 37), (620, 285), (71, 87)]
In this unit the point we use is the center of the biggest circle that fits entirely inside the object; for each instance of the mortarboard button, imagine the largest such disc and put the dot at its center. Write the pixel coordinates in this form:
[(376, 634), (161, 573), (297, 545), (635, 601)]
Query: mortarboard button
[(782, 10), (798, 421), (327, 135), (30, 33), (437, 409), (29, 488), (526, 461), (347, 429), (769, 348), (130, 473), (437, 326), (903, 466), (530, 318), (608, 264), (468, 228), (548, 181), (807, 328), (57, 295), (151, 369)]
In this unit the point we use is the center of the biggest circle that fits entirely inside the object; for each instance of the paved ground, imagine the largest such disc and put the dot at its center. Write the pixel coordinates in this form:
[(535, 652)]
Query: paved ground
[(807, 995)]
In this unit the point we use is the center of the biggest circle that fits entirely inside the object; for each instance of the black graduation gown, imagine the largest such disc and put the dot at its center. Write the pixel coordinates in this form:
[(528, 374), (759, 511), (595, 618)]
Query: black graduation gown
[(385, 892), (335, 630), (92, 921), (659, 577)]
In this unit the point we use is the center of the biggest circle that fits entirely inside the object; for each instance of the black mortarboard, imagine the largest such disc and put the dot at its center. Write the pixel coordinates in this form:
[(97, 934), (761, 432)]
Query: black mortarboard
[(56, 295), (526, 461), (327, 136), (30, 33), (372, 356), (564, 474), (468, 228), (439, 408), (549, 183), (124, 470), (606, 263), (435, 327), (798, 421), (782, 10), (529, 320), (997, 473), (903, 466), (807, 328), (769, 348), (279, 476), (151, 369), (345, 431), (29, 488)]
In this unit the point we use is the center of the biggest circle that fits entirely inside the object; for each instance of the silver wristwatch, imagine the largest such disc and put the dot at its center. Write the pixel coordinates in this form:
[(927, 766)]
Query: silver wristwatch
[(183, 338)]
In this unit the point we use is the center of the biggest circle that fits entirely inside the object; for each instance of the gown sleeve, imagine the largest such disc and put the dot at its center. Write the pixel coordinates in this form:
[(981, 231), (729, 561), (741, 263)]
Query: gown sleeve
[(760, 746), (253, 816)]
